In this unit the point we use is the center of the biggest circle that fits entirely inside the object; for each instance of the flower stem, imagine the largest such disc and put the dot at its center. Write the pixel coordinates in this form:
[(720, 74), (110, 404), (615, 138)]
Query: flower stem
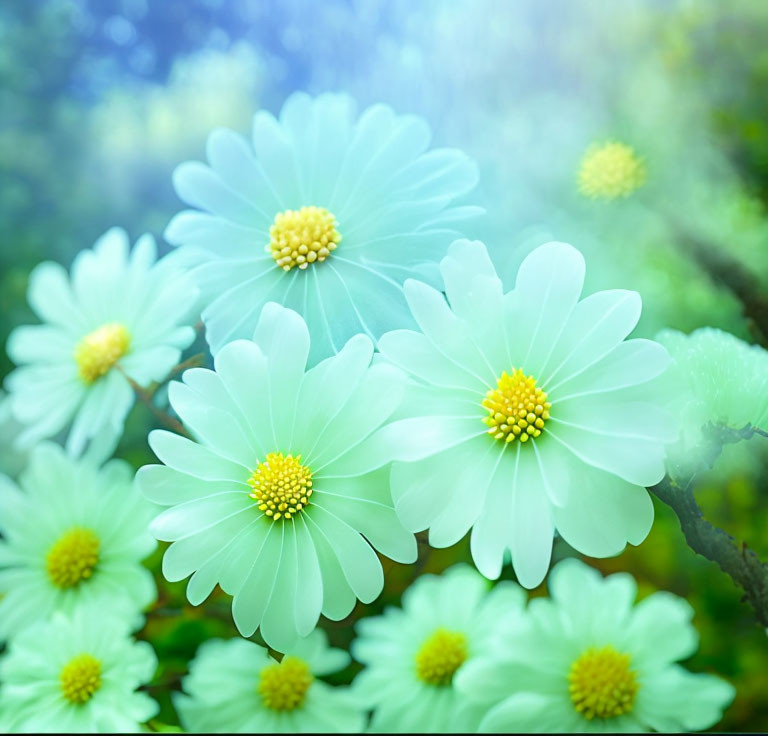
[(146, 398)]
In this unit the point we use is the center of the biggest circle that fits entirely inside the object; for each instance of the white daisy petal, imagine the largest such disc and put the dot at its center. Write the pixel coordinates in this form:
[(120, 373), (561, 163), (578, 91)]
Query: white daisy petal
[(238, 687), (532, 526), (338, 597), (227, 440), (232, 159), (188, 457), (114, 314), (414, 656), (540, 376), (587, 661), (278, 623), (73, 544), (636, 460), (597, 324), (193, 517), (524, 712), (676, 700), (408, 440), (357, 558), (549, 283), (166, 486), (256, 502), (309, 583), (77, 673), (253, 594), (198, 185), (629, 363), (326, 388), (592, 522), (319, 175), (490, 533)]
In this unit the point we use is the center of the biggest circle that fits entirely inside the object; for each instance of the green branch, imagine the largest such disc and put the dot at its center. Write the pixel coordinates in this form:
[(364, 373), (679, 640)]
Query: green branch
[(733, 557)]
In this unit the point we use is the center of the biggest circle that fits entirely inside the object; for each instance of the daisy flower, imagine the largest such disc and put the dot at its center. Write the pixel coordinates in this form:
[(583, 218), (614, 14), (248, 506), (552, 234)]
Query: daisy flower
[(588, 661), (610, 170), (412, 655), (73, 536), (265, 500), (530, 413), (77, 674), (706, 363), (236, 686), (322, 211), (120, 315)]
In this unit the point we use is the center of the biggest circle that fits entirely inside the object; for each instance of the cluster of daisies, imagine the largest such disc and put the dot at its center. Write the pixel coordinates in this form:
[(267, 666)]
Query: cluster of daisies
[(371, 378)]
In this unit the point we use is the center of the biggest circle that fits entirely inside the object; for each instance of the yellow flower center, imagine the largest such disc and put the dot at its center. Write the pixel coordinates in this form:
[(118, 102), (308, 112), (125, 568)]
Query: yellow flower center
[(80, 678), (284, 685), (517, 407), (601, 684), (304, 236), (610, 170), (99, 350), (440, 656), (72, 558), (281, 485)]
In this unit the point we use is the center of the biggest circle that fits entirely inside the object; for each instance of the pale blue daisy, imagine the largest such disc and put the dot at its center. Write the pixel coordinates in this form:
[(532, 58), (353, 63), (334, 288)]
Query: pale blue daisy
[(120, 315), (322, 211)]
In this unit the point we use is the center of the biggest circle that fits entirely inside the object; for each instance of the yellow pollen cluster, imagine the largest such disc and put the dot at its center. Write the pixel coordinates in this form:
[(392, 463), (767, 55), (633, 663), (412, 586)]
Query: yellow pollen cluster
[(601, 684), (304, 236), (99, 350), (440, 656), (73, 557), (80, 678), (517, 407), (610, 170), (281, 485), (284, 686)]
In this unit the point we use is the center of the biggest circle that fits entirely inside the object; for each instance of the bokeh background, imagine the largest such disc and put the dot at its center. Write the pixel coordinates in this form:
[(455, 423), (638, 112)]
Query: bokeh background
[(101, 99)]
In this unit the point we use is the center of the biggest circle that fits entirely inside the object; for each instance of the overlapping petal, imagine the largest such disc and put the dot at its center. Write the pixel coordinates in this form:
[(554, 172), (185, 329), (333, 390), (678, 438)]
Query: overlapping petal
[(602, 442), (259, 402), (394, 200), (108, 284)]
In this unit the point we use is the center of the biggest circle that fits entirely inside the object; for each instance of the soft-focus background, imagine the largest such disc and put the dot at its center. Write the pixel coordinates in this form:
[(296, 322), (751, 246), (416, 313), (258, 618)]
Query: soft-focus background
[(100, 99)]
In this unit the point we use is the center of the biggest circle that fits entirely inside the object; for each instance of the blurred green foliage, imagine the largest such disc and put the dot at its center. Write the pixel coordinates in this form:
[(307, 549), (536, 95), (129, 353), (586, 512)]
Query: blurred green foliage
[(525, 93)]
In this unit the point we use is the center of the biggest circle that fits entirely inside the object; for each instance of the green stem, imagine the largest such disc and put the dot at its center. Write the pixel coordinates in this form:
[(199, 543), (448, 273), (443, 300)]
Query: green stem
[(146, 398)]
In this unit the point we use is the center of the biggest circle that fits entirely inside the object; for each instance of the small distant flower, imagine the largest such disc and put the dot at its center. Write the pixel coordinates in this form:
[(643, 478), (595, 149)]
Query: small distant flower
[(322, 211), (588, 661), (236, 686), (610, 170), (529, 413), (266, 501), (412, 655), (73, 537), (77, 674), (725, 380), (121, 314)]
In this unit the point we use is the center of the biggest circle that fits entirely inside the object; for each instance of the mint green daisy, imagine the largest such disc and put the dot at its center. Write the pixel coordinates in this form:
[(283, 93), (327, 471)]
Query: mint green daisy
[(73, 537), (529, 413), (412, 654), (235, 686), (322, 211), (77, 674), (120, 315), (588, 660), (723, 379), (264, 499)]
